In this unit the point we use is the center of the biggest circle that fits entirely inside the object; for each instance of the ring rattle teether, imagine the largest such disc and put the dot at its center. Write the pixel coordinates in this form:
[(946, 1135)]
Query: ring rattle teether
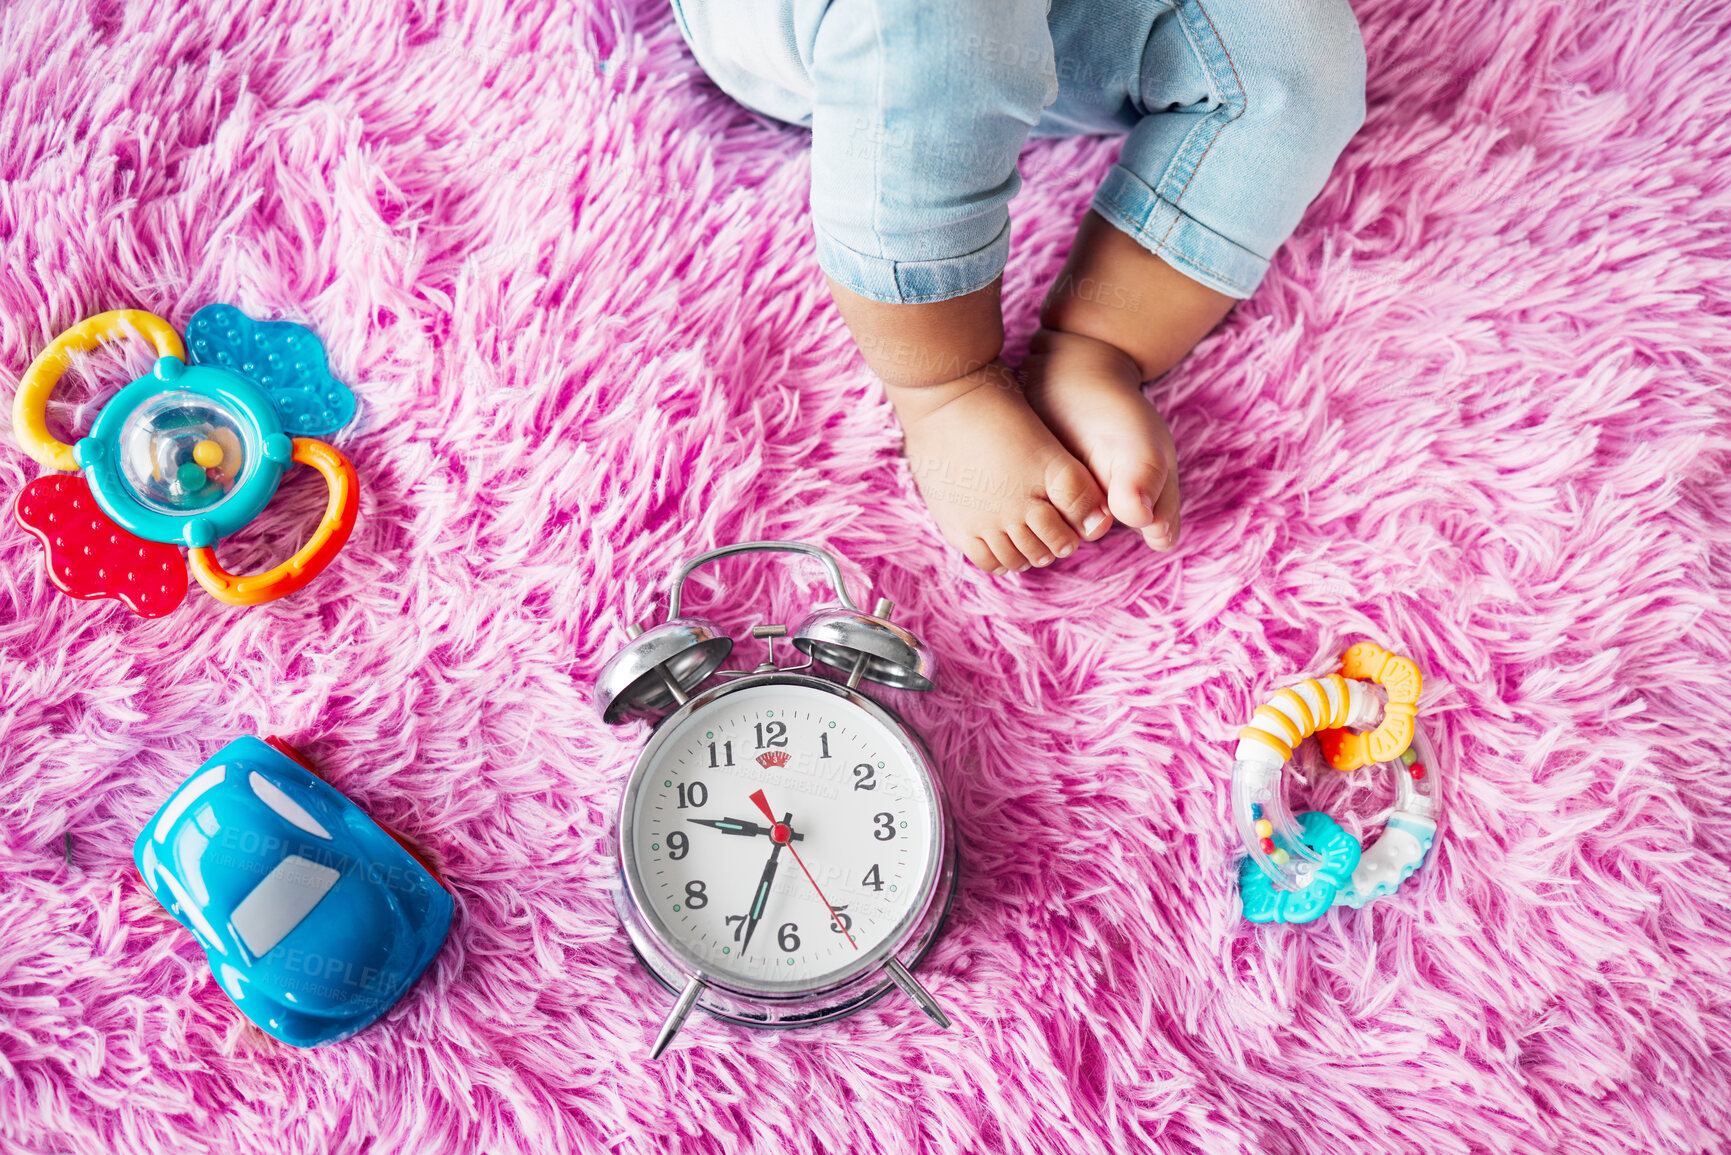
[(184, 456), (1297, 866)]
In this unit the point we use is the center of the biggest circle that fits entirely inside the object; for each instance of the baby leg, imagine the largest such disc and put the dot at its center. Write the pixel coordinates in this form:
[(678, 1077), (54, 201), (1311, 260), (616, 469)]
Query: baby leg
[(1249, 104), (919, 111)]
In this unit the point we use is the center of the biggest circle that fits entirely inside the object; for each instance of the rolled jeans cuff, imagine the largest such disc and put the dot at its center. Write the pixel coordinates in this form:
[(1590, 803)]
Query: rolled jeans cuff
[(912, 282), (1177, 238)]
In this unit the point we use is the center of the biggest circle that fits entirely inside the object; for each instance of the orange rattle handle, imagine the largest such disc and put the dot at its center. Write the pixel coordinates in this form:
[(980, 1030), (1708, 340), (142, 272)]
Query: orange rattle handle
[(327, 541), (1401, 678), (30, 405)]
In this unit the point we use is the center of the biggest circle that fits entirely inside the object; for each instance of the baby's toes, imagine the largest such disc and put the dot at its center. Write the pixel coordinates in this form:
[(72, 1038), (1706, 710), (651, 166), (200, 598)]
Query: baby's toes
[(1134, 489), (1005, 547), (1031, 546), (1162, 532), (1071, 490), (1051, 528), (981, 555)]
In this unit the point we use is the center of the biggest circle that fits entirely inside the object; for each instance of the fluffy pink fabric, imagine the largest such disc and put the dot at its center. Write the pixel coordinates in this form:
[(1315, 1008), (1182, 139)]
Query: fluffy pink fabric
[(1478, 411)]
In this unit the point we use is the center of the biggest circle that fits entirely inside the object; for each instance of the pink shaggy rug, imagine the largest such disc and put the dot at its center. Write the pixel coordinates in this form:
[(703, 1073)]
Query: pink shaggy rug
[(1478, 411)]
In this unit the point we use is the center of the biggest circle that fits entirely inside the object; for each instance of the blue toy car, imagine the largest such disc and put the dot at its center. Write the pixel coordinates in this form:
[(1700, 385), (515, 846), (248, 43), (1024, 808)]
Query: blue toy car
[(314, 919)]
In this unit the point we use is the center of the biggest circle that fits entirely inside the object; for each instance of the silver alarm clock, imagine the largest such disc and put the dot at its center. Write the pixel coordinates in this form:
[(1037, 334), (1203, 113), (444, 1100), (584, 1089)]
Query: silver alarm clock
[(784, 853)]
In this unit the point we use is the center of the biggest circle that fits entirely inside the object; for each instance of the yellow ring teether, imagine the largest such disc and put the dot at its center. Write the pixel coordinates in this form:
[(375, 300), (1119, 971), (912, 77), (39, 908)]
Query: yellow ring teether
[(30, 406), (327, 541)]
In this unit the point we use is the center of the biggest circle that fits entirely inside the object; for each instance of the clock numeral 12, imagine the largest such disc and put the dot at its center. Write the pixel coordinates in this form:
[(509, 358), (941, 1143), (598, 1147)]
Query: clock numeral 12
[(777, 734)]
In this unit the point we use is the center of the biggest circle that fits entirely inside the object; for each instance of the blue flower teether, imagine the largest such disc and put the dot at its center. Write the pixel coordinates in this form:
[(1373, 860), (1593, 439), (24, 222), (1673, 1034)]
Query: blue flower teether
[(1338, 851), (282, 358)]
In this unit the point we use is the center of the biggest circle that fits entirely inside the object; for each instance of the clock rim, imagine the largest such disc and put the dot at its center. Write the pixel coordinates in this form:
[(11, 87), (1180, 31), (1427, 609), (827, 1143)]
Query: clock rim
[(648, 921)]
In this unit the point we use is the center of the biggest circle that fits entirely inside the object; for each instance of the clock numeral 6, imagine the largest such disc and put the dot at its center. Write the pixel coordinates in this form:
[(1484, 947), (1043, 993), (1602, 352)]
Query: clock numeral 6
[(886, 826), (678, 846), (696, 897), (873, 879), (788, 937), (865, 772), (694, 796)]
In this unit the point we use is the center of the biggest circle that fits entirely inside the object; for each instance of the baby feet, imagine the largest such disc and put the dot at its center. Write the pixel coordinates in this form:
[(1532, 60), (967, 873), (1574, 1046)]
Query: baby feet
[(1000, 484), (1089, 394)]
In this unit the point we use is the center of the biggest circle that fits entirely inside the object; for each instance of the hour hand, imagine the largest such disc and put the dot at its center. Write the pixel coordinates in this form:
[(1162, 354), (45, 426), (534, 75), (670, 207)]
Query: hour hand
[(740, 826)]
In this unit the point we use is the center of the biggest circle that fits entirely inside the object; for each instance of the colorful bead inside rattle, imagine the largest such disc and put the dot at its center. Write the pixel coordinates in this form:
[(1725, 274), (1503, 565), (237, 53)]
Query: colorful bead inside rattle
[(1298, 865), (181, 452)]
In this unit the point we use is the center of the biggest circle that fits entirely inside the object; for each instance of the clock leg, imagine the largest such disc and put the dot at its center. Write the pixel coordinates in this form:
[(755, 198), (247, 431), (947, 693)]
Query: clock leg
[(675, 1020), (911, 987)]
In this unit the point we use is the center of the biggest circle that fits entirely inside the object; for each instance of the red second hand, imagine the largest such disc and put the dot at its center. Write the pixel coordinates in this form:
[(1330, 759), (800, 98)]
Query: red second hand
[(779, 832)]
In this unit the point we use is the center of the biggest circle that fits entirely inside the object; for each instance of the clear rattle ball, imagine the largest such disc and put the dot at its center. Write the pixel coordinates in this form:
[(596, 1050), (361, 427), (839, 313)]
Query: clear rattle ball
[(182, 452)]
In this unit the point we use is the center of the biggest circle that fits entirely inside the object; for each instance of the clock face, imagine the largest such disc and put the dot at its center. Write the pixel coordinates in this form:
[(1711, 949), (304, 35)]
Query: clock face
[(858, 812)]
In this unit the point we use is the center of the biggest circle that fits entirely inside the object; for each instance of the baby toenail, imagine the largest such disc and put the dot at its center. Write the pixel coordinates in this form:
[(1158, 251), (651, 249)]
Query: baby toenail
[(1067, 551), (1094, 522), (1045, 560)]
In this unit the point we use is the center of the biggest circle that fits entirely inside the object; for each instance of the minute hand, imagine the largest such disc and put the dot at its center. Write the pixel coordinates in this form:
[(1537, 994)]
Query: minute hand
[(761, 898), (739, 826)]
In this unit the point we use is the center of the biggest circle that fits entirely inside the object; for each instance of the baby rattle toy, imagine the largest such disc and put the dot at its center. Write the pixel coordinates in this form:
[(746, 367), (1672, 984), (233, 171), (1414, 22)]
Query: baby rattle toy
[(1297, 866), (184, 456)]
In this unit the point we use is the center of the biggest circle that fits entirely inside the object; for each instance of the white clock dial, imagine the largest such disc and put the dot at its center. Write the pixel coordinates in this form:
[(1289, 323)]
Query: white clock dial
[(708, 869)]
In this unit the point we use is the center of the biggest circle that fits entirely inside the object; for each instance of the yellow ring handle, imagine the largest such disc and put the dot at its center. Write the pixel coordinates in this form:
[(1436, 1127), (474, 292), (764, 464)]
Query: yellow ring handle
[(1346, 751), (30, 406), (1274, 729), (327, 541)]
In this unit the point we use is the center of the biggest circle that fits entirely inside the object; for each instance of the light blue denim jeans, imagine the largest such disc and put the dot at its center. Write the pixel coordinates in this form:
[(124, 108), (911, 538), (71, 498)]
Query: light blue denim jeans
[(1234, 110)]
